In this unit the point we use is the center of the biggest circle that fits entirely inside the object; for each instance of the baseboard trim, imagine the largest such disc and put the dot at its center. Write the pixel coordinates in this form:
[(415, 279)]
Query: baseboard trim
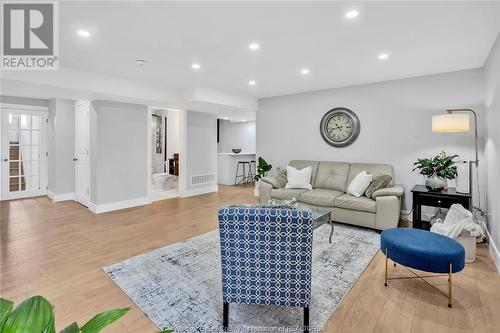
[(60, 197), (495, 254), (199, 191), (112, 206)]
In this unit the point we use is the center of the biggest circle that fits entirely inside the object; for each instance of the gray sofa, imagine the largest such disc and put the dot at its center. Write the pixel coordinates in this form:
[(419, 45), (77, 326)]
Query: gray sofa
[(330, 181)]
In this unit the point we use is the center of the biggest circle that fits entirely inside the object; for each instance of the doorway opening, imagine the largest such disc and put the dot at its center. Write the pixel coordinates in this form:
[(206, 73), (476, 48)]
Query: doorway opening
[(165, 143)]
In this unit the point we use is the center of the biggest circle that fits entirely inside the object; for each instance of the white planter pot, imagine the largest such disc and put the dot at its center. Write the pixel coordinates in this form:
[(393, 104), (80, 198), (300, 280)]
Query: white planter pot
[(256, 188)]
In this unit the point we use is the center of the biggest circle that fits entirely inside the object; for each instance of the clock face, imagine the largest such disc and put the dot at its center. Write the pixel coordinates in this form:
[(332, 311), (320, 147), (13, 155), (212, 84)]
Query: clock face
[(340, 127)]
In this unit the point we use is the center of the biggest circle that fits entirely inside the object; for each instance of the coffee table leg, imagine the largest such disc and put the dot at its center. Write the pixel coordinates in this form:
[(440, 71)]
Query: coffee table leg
[(331, 231)]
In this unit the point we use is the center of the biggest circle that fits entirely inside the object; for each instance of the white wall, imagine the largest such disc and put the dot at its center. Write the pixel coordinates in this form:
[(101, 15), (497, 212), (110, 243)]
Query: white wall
[(61, 146), (119, 138), (236, 135), (201, 151), (173, 133), (395, 123), (492, 147)]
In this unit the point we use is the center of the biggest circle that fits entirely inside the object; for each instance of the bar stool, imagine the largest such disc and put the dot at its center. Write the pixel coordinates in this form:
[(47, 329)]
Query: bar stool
[(251, 171), (243, 176)]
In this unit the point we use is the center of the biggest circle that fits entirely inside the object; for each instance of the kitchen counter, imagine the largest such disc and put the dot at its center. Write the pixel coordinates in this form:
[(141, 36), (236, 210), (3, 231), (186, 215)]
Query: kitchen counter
[(234, 154)]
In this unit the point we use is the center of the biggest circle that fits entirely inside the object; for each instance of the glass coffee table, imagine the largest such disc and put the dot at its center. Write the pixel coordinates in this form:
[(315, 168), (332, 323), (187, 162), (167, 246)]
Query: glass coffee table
[(320, 217)]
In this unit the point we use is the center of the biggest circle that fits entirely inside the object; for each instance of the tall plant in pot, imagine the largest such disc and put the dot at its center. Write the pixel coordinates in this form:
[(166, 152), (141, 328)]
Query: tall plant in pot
[(262, 168), (437, 170)]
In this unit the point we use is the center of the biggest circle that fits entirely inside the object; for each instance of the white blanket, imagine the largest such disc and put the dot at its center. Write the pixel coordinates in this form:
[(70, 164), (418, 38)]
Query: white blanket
[(457, 220)]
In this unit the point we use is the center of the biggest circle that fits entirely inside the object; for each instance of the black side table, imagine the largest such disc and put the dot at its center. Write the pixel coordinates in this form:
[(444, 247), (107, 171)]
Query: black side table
[(423, 197)]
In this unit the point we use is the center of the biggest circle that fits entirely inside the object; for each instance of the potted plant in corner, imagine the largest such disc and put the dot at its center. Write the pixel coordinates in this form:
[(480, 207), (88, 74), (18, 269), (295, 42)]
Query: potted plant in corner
[(437, 170), (262, 168), (36, 315)]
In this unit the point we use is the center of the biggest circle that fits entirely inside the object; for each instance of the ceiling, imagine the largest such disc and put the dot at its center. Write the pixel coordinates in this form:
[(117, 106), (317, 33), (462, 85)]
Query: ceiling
[(420, 37)]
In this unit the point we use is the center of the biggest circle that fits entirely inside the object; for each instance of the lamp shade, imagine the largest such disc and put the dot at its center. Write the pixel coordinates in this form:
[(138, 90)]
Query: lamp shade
[(450, 122)]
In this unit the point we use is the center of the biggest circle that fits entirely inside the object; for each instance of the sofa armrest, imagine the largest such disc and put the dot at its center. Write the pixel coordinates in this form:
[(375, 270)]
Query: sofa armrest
[(270, 180), (395, 190), (264, 192)]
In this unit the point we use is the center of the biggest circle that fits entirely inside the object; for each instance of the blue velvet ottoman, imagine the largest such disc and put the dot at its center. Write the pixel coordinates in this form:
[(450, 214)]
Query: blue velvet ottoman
[(423, 250)]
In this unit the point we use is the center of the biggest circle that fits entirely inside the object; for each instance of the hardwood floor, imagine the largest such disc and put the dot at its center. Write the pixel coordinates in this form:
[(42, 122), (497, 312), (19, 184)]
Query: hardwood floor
[(57, 250)]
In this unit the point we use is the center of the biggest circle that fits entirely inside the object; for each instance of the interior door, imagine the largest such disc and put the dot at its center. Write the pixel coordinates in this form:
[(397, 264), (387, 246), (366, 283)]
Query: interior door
[(82, 157), (24, 153)]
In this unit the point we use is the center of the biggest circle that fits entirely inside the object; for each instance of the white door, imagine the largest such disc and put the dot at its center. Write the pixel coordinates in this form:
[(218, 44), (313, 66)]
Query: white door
[(82, 157), (24, 152)]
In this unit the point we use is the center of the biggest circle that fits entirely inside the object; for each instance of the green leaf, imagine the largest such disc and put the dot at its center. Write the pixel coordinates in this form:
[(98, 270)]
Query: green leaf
[(73, 328), (33, 315), (5, 309), (102, 320), (50, 328), (167, 331)]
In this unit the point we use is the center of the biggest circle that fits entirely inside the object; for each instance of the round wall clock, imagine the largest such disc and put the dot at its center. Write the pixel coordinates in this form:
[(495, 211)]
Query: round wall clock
[(340, 127)]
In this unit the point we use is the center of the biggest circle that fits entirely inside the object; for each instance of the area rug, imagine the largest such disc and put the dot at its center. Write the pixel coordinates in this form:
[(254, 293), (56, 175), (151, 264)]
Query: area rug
[(179, 286)]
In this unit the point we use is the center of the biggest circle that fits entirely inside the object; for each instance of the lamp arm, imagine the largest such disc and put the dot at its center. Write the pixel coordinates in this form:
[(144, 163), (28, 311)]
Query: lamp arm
[(476, 162)]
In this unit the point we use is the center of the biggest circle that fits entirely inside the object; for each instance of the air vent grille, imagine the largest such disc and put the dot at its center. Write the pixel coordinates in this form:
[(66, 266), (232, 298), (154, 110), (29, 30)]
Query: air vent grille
[(203, 179)]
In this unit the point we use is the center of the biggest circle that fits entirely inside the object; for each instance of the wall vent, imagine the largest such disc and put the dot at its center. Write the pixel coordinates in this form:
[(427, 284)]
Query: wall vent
[(203, 179)]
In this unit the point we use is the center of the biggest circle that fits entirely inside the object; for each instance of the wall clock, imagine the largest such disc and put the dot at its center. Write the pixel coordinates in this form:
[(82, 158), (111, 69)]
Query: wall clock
[(340, 127)]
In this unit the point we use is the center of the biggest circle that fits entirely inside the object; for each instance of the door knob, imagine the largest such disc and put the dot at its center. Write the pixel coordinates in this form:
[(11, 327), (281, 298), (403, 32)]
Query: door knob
[(5, 159), (75, 159)]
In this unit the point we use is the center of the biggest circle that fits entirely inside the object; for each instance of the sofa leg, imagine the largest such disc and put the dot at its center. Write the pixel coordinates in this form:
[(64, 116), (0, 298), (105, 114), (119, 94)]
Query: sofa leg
[(225, 315), (306, 320)]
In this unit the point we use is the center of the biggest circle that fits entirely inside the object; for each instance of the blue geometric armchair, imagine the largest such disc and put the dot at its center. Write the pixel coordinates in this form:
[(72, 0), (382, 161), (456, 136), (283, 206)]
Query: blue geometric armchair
[(266, 257)]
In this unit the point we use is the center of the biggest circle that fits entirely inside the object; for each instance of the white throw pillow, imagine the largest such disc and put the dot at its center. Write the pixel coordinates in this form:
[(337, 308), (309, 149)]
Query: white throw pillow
[(358, 185), (298, 178)]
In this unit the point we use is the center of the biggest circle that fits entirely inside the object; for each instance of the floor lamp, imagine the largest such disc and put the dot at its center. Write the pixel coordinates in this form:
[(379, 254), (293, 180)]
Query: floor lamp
[(455, 121)]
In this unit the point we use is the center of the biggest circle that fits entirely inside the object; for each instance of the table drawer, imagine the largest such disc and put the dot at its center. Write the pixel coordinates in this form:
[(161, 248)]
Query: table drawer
[(434, 201)]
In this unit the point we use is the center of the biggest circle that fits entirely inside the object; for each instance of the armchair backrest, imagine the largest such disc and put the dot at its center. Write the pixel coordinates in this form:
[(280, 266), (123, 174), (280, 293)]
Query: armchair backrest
[(266, 255)]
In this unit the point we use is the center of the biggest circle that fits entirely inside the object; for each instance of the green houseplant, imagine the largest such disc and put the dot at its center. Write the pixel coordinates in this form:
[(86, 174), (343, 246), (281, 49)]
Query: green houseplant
[(36, 315), (262, 168), (437, 170)]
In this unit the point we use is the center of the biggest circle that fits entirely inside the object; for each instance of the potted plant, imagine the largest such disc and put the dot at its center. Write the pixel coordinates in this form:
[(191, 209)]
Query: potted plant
[(437, 170), (262, 168), (36, 315)]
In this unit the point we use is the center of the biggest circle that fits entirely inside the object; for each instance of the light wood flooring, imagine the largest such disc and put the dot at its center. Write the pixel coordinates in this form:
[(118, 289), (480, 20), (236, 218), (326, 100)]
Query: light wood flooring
[(58, 249)]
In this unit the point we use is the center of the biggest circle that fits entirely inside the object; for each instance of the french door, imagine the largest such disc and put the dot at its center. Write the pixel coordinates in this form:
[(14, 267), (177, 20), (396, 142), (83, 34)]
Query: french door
[(24, 158)]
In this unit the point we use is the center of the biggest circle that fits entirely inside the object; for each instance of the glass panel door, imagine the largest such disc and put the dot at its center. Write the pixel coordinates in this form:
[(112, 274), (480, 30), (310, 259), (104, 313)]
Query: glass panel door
[(23, 153)]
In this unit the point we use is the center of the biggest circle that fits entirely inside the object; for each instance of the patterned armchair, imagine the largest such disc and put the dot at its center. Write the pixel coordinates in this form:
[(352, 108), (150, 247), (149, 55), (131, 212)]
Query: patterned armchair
[(266, 257)]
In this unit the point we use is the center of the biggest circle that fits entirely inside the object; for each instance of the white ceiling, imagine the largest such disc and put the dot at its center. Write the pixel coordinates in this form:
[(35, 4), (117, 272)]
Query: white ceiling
[(421, 37)]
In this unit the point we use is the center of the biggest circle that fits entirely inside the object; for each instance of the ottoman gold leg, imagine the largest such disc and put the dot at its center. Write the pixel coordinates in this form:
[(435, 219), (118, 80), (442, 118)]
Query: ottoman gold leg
[(449, 285), (386, 259)]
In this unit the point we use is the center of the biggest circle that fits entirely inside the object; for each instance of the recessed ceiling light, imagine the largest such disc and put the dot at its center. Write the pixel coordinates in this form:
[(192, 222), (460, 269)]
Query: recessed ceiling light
[(383, 56), (252, 82), (254, 46), (83, 33), (351, 14), (195, 66), (243, 120), (226, 118), (140, 62), (304, 71)]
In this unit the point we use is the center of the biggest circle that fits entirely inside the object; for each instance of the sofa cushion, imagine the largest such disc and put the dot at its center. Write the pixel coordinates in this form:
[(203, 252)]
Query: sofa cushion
[(362, 204), (332, 176), (320, 197), (286, 193), (371, 169), (299, 165)]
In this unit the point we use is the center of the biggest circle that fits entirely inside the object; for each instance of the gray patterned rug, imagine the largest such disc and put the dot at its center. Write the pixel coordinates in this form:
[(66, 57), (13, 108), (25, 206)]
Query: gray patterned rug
[(179, 286)]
